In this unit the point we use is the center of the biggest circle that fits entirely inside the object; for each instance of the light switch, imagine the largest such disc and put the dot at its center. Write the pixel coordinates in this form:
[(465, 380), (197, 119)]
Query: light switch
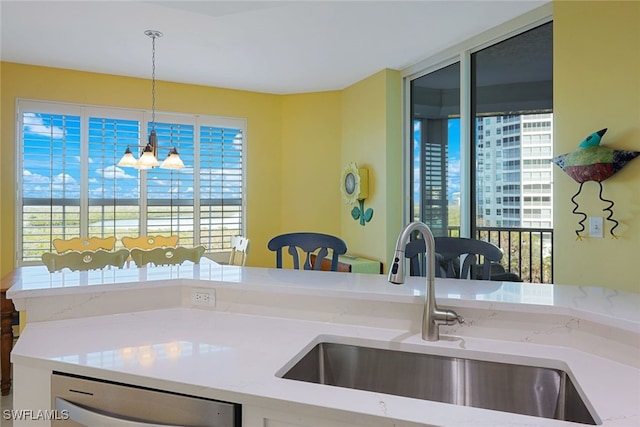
[(596, 227)]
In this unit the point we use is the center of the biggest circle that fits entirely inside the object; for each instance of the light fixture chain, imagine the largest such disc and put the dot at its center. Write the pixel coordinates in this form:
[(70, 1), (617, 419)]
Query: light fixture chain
[(149, 156), (153, 82)]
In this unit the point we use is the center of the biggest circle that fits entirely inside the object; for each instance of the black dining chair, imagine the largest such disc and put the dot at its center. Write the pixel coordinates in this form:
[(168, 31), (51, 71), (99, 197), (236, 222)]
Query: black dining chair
[(481, 261), (308, 243)]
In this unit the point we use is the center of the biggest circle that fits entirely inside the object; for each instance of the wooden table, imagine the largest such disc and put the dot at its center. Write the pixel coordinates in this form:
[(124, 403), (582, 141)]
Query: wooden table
[(6, 333)]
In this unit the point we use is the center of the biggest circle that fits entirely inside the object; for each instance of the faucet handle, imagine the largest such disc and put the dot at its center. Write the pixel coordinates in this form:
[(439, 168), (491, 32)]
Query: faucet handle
[(450, 317)]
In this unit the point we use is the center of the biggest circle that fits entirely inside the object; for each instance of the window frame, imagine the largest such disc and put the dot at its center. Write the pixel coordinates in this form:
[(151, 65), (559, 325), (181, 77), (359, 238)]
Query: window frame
[(461, 53), (85, 112)]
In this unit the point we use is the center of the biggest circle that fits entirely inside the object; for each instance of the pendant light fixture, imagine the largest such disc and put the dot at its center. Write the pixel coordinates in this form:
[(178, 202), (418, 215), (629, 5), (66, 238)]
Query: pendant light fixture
[(149, 156)]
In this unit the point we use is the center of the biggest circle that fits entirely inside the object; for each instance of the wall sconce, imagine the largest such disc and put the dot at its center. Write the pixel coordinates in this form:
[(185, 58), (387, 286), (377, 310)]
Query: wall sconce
[(149, 156), (354, 186)]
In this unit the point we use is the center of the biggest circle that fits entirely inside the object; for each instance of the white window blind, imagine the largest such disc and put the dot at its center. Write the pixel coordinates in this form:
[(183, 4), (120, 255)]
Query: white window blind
[(71, 186), (50, 196), (170, 193), (113, 192), (221, 184)]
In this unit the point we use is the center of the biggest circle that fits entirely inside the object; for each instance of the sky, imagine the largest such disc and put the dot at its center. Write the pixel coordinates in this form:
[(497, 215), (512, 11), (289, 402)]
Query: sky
[(52, 151), (453, 158)]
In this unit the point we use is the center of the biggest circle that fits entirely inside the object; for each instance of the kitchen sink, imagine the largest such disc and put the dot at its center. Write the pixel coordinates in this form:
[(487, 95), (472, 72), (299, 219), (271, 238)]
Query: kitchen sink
[(521, 389)]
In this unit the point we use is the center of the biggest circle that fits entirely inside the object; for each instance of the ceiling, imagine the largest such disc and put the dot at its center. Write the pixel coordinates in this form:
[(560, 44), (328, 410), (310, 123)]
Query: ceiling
[(277, 47)]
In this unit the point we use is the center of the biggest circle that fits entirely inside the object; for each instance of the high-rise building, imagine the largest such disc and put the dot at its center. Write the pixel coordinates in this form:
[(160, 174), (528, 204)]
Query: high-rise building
[(514, 171)]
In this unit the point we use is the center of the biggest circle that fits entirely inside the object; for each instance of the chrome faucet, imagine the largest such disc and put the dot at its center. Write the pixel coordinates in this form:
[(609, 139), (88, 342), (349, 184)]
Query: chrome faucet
[(432, 316)]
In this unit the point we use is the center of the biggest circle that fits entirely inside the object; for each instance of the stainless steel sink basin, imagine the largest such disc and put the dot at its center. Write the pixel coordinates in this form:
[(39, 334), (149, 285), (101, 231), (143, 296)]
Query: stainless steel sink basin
[(529, 390)]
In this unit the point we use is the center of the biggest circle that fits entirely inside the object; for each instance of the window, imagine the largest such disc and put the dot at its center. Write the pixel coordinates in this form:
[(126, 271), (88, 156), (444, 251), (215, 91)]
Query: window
[(71, 186), (522, 85), (495, 94), (435, 195), (510, 93)]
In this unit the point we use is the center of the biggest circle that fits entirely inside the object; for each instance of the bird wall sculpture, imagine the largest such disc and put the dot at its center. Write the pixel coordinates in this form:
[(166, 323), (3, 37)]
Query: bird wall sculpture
[(593, 162)]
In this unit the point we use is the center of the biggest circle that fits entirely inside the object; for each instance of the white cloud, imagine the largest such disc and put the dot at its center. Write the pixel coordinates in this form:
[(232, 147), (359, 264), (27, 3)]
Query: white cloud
[(160, 182), (111, 172), (64, 178), (454, 167), (220, 172), (33, 124), (34, 178)]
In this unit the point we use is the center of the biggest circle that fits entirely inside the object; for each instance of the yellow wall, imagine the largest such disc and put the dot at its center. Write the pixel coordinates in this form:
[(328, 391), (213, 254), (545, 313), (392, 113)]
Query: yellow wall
[(311, 163), (597, 85), (322, 132), (295, 147), (3, 254), (264, 135), (372, 138)]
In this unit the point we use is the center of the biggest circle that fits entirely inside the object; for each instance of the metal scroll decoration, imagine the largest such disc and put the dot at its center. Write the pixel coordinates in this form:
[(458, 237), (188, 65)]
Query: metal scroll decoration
[(593, 162)]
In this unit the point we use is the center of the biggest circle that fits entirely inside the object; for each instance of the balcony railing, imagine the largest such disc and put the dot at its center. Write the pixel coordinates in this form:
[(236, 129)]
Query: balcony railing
[(528, 252)]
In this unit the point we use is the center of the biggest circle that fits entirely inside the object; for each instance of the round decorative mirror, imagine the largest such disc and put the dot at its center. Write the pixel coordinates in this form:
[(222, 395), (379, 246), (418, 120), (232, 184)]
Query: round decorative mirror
[(350, 184)]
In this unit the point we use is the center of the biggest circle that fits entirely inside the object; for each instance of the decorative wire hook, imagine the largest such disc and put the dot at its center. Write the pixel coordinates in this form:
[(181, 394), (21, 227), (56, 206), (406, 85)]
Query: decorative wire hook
[(577, 212), (608, 209)]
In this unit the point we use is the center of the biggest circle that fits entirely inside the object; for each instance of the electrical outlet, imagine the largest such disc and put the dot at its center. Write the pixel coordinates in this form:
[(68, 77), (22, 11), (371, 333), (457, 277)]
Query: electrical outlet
[(596, 224), (203, 297)]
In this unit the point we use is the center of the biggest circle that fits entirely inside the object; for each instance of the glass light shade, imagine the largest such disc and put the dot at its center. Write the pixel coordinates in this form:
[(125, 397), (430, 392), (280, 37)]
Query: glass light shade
[(173, 160), (127, 159), (147, 160)]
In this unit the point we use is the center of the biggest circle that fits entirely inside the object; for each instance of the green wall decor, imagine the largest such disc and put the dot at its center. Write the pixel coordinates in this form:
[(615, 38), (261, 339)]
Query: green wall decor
[(358, 213), (354, 186)]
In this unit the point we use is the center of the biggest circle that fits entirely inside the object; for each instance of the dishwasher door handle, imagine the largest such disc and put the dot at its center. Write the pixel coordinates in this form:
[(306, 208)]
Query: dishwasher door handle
[(90, 418)]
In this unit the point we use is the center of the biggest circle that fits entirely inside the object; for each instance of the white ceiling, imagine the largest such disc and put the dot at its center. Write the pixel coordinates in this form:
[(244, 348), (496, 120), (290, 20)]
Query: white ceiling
[(265, 46)]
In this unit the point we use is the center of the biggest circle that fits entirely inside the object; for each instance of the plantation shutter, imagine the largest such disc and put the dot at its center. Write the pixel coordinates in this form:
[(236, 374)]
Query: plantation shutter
[(170, 192), (221, 184), (50, 178), (71, 184), (113, 192)]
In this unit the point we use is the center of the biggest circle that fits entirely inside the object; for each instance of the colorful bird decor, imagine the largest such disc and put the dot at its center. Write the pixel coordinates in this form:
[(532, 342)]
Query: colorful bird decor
[(593, 162)]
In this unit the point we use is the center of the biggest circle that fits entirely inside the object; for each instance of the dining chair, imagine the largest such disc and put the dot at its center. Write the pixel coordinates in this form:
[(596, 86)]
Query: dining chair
[(239, 250), (481, 259), (308, 243), (167, 255), (84, 244), (85, 260), (149, 242)]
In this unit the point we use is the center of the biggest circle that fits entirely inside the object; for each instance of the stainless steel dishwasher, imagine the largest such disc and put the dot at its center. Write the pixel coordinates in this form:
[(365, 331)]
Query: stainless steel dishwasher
[(81, 401)]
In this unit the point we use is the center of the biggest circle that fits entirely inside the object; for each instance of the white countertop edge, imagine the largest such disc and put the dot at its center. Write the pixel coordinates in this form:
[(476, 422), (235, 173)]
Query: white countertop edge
[(605, 306)]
